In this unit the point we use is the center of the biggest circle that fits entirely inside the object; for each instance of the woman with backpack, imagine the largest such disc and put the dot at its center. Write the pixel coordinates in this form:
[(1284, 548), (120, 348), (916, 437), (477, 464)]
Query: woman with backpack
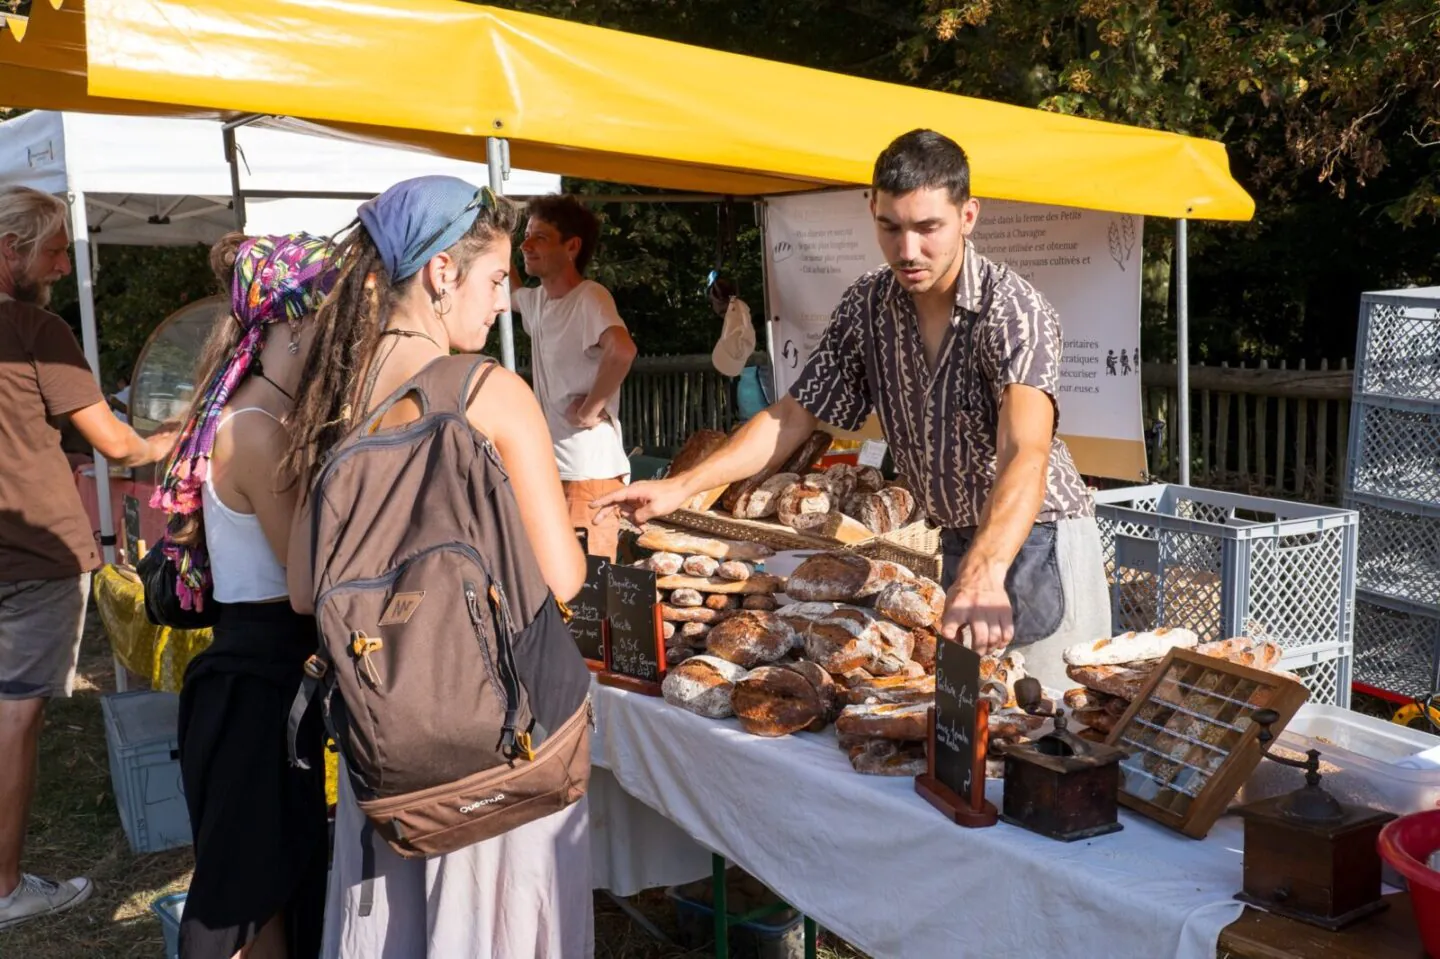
[(416, 618), (259, 825)]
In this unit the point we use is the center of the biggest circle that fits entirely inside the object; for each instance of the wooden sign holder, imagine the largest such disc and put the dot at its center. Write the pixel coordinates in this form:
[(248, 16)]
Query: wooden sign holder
[(973, 811), (633, 683)]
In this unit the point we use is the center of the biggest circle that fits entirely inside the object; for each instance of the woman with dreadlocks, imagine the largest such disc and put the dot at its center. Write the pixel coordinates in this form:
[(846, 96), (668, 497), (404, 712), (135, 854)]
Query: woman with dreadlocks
[(425, 273), (259, 825)]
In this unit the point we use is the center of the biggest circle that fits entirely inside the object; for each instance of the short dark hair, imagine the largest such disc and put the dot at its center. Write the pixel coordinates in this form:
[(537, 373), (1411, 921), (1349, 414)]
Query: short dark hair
[(923, 160), (571, 218)]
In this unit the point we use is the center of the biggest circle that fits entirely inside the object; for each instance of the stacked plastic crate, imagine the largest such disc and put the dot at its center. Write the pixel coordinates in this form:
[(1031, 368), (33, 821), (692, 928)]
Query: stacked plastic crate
[(1226, 565), (1393, 481)]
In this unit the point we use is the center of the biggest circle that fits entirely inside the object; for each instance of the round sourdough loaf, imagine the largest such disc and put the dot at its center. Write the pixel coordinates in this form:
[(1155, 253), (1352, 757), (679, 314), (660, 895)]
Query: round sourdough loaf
[(734, 570), (774, 701), (703, 685), (918, 602), (751, 638), (702, 566)]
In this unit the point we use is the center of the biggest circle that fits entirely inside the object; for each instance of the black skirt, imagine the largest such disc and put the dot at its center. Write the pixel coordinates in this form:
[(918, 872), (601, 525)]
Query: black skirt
[(259, 824)]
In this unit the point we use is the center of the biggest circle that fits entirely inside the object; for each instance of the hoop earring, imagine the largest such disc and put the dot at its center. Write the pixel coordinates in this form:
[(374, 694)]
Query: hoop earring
[(441, 304), (294, 337)]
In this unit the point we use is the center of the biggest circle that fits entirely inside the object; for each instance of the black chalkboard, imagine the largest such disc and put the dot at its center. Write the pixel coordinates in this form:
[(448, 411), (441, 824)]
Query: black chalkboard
[(957, 681), (587, 610), (131, 525), (635, 649)]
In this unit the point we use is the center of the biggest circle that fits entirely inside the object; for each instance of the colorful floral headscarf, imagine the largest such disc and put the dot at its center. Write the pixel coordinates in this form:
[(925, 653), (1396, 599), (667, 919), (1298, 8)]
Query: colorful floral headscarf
[(276, 278)]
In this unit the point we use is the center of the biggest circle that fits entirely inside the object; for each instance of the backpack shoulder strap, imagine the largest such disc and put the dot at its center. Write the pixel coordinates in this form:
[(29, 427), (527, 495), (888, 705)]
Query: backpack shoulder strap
[(450, 383)]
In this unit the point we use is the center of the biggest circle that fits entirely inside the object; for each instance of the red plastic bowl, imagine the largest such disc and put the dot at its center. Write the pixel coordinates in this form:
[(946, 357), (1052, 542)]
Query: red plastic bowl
[(1406, 844)]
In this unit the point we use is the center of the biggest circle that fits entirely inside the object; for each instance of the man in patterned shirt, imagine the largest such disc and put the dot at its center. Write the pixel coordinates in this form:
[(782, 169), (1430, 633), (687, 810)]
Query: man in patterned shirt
[(960, 358)]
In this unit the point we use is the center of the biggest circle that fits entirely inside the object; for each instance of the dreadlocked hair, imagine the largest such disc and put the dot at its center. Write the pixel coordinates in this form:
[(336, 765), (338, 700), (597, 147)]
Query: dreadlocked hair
[(347, 337), (189, 529)]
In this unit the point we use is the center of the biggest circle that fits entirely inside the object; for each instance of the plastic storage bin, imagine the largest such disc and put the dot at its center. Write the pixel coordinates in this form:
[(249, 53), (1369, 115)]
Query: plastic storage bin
[(1225, 565), (781, 936), (1397, 647), (1358, 756), (145, 768), (169, 909)]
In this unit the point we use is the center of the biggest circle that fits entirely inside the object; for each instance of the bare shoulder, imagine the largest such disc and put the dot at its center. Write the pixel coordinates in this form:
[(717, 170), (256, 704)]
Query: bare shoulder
[(500, 405)]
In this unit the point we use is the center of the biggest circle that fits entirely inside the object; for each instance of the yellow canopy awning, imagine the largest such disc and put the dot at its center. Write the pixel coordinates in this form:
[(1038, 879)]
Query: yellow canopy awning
[(602, 104)]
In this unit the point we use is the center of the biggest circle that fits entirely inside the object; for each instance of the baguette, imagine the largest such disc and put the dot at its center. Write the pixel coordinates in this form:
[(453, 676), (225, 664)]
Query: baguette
[(692, 614), (672, 541), (1129, 647), (759, 583)]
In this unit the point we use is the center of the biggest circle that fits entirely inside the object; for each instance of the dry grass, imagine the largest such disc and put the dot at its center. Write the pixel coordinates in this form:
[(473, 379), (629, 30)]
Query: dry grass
[(75, 830)]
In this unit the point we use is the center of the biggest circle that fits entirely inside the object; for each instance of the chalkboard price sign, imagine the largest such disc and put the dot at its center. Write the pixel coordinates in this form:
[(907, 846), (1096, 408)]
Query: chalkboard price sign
[(959, 731), (635, 653), (587, 612)]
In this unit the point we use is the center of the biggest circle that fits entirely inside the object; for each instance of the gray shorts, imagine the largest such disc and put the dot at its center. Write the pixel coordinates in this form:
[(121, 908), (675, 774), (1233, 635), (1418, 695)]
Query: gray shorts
[(41, 621)]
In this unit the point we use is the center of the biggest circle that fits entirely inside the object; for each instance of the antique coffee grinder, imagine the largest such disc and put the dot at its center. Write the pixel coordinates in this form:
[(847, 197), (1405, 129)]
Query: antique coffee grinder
[(1307, 856), (1060, 786)]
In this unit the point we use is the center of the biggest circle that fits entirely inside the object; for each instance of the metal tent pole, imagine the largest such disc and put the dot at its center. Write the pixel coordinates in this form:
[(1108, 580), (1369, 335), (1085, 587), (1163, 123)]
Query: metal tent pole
[(85, 282), (496, 154), (761, 214), (1182, 345)]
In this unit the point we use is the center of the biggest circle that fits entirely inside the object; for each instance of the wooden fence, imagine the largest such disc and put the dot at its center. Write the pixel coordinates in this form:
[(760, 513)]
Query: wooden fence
[(1271, 431), (1266, 430)]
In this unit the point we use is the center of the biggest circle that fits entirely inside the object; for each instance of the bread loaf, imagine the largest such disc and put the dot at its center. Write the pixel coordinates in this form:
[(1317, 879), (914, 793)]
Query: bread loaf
[(686, 597), (914, 670), (843, 578), (889, 689), (812, 523), (896, 644), (1082, 698), (1244, 651), (667, 629), (919, 603), (693, 633), (838, 526), (1115, 680), (797, 500), (836, 481), (924, 650), (721, 601), (691, 614), (761, 602), (773, 701), (672, 541), (1129, 647), (663, 564), (889, 759), (801, 615), (702, 566), (702, 685), (868, 479), (735, 571), (750, 638), (764, 499), (1099, 719), (825, 689), (675, 655), (759, 583), (838, 645), (886, 510), (700, 445), (885, 721), (808, 452)]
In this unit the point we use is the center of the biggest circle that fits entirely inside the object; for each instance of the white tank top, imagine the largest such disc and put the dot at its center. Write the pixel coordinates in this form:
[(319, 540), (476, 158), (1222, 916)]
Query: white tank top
[(242, 564)]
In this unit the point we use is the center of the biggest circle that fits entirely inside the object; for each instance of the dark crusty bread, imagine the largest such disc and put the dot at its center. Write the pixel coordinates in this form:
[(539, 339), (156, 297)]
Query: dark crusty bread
[(916, 603), (798, 500), (751, 638), (843, 578), (720, 601), (764, 499), (906, 722), (763, 602), (774, 701), (697, 448), (886, 758), (703, 685)]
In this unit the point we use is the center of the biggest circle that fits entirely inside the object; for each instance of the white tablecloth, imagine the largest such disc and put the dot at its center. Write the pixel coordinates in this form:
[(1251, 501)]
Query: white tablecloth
[(869, 859)]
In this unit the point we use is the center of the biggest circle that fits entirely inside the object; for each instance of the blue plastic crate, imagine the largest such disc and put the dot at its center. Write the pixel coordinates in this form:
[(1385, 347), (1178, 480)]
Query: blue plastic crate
[(169, 909), (766, 938), (140, 731)]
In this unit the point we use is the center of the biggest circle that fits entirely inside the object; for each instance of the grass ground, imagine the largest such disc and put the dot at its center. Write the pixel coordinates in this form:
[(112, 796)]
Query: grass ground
[(75, 830)]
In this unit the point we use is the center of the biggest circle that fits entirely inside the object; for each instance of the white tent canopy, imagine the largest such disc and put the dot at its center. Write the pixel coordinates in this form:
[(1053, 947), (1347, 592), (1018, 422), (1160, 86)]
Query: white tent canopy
[(146, 181), (159, 182)]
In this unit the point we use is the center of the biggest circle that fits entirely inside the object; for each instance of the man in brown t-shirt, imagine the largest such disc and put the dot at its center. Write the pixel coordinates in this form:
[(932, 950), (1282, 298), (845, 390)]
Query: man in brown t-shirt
[(960, 358), (47, 548)]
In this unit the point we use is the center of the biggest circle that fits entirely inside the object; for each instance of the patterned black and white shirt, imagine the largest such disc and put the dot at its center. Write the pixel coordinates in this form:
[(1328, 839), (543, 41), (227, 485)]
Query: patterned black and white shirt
[(941, 429)]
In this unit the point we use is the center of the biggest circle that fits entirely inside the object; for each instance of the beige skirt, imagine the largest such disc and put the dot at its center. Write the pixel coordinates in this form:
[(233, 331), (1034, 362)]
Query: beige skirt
[(526, 893)]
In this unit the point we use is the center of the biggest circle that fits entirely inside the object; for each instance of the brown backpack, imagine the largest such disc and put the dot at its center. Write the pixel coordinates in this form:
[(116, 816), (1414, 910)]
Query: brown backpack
[(463, 707)]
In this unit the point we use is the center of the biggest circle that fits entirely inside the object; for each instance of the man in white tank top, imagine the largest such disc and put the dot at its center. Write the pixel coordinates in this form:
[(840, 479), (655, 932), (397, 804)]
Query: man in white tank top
[(580, 355)]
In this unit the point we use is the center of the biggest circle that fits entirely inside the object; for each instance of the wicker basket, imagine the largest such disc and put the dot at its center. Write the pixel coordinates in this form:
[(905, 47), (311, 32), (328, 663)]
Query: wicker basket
[(924, 564), (774, 535)]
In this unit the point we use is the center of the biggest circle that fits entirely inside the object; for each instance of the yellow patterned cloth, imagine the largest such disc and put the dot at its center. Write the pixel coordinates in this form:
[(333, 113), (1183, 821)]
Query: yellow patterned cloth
[(158, 653)]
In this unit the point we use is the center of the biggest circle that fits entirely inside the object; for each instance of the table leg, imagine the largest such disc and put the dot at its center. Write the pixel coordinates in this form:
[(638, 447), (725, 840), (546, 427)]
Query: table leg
[(812, 936), (722, 909)]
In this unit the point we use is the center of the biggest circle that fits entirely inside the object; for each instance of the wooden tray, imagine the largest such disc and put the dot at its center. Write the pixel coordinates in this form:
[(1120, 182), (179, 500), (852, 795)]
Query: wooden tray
[(1190, 740), (774, 535)]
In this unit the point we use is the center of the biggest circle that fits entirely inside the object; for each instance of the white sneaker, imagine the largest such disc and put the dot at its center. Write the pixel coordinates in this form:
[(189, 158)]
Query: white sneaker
[(36, 897)]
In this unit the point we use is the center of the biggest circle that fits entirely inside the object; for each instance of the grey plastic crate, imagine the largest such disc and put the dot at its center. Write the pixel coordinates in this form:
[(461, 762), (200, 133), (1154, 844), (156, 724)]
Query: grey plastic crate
[(1395, 449), (1227, 565), (1399, 554), (1399, 344), (140, 730), (1326, 670), (1397, 646)]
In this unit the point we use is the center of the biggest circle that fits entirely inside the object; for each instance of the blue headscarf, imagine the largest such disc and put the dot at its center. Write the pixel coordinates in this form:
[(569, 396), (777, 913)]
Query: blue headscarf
[(417, 218)]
